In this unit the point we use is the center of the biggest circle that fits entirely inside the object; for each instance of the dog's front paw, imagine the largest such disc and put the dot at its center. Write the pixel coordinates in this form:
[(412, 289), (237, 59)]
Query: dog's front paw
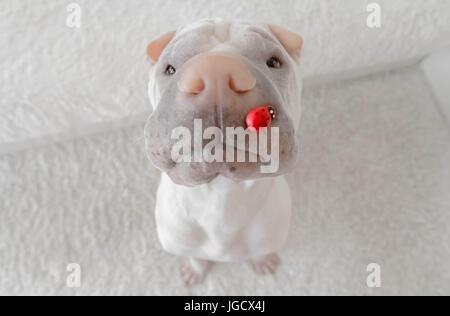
[(266, 265), (194, 271)]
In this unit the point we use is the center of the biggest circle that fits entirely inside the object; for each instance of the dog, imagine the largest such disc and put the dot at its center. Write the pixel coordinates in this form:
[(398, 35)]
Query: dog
[(221, 73)]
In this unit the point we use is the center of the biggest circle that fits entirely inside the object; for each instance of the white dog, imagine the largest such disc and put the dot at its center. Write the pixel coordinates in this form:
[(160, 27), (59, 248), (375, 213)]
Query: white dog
[(218, 72)]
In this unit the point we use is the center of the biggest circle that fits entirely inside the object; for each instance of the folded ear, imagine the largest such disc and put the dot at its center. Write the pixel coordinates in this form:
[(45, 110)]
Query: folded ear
[(155, 48), (291, 41)]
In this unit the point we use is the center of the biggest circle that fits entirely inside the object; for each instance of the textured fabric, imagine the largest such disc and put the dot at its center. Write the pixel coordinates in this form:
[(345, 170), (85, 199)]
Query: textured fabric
[(373, 186), (436, 68), (59, 83)]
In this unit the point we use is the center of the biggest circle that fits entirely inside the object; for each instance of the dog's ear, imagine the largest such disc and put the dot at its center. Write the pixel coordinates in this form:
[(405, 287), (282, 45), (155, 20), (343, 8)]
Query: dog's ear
[(155, 48), (291, 41)]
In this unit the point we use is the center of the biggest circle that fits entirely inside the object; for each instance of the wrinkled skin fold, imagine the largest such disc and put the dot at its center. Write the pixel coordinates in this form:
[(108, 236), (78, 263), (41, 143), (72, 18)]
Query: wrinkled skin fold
[(279, 88)]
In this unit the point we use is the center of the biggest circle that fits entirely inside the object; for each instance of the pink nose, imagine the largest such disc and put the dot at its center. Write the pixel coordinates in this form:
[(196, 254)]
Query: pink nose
[(210, 73)]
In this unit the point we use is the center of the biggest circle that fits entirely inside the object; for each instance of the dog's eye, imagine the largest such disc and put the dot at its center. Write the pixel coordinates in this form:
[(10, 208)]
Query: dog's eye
[(274, 62), (170, 70)]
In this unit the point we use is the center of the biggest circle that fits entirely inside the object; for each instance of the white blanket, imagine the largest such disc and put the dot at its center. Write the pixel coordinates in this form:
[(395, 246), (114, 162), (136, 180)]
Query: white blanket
[(373, 187), (59, 83)]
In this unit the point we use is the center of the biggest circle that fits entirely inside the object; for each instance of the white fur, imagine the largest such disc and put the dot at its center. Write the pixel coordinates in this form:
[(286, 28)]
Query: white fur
[(223, 221)]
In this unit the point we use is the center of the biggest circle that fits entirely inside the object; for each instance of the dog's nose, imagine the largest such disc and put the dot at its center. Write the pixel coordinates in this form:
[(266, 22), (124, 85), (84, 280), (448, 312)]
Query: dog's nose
[(208, 74)]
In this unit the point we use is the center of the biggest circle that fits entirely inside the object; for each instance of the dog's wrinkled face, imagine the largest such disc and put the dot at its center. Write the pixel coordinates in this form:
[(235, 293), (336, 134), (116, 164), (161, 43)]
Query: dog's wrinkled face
[(218, 72)]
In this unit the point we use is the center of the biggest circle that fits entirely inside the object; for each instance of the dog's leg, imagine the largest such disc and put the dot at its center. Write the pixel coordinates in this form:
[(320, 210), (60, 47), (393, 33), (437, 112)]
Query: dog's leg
[(266, 265), (193, 271)]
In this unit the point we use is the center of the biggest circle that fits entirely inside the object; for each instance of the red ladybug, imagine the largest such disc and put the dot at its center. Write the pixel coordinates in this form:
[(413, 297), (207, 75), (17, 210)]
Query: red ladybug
[(260, 117)]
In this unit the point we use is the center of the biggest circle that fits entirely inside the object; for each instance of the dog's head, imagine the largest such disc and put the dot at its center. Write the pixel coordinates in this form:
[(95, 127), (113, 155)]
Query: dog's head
[(214, 75)]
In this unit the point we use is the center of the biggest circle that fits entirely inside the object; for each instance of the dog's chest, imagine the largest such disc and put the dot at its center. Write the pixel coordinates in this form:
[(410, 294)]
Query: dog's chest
[(221, 204), (223, 220)]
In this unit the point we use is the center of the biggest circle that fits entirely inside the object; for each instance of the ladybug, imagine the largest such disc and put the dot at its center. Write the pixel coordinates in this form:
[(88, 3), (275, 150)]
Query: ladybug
[(260, 117)]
